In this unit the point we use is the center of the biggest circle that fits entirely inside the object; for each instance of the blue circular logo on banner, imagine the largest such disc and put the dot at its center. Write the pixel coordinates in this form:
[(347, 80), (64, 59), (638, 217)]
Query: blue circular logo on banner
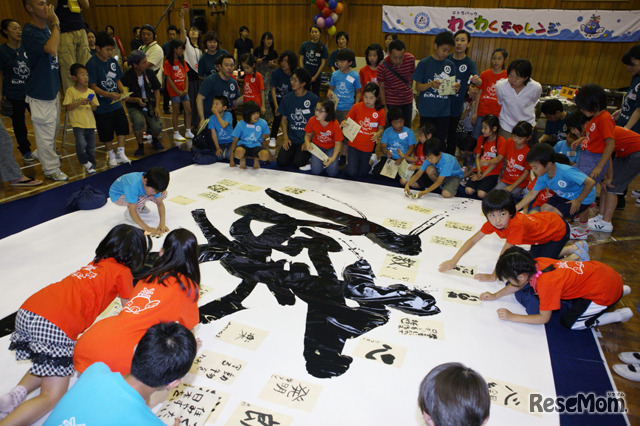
[(421, 21)]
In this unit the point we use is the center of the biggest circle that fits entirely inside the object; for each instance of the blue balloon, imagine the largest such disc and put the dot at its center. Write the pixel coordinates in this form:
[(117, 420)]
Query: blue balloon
[(315, 18), (332, 4)]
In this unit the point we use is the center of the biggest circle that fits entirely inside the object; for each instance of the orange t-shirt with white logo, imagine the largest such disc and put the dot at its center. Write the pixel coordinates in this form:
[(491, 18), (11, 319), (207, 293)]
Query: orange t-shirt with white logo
[(253, 87), (370, 121), (325, 137), (113, 339)]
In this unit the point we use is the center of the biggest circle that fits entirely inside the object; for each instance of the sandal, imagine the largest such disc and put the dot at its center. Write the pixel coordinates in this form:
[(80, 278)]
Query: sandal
[(28, 182), (582, 251)]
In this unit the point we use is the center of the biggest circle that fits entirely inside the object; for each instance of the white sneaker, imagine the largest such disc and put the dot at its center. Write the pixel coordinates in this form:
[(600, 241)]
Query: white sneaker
[(628, 371), (147, 136), (305, 168), (188, 134), (635, 193), (600, 226), (595, 219), (57, 176), (34, 154), (625, 291), (629, 357), (579, 233), (272, 143), (89, 168), (178, 137), (121, 158), (112, 159)]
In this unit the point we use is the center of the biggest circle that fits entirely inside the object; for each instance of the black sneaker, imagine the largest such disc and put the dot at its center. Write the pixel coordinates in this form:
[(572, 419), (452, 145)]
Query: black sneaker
[(139, 152), (156, 144)]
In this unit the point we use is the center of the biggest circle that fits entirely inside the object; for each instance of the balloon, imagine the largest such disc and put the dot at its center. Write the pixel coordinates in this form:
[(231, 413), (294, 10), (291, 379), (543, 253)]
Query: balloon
[(332, 31), (315, 18), (326, 12), (334, 16), (332, 4), (320, 4), (339, 8), (320, 22), (328, 22)]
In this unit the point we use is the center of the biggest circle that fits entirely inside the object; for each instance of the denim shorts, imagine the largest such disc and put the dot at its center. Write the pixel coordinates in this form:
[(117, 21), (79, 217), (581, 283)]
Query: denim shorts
[(178, 99)]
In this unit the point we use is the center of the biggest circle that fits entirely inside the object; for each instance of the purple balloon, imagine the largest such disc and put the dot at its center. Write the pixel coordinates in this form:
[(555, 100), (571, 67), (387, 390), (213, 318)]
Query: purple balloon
[(320, 22), (328, 22), (332, 4)]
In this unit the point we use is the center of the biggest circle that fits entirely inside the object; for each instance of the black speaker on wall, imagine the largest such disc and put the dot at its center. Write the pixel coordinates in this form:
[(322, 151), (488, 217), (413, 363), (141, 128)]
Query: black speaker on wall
[(198, 19)]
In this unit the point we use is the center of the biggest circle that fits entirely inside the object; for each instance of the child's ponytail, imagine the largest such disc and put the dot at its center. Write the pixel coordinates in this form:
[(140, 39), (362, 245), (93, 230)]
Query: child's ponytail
[(491, 121)]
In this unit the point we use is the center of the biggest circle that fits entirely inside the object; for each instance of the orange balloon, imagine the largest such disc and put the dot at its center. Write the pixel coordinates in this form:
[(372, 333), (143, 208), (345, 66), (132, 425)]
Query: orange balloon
[(339, 8)]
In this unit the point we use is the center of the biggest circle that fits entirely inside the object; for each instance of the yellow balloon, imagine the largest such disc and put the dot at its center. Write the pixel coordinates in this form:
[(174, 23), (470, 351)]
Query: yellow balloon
[(332, 30)]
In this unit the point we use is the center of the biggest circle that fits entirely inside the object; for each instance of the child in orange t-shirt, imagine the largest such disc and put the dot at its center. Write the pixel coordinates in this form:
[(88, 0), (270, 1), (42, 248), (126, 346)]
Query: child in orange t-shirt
[(540, 284), (168, 293), (515, 176), (253, 83), (369, 73), (324, 131), (598, 143), (49, 322), (370, 116), (175, 68), (487, 100), (546, 232), (489, 157)]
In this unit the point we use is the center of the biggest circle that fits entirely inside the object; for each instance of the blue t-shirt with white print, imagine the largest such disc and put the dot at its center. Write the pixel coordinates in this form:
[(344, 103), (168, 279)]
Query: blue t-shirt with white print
[(225, 135), (250, 135), (344, 87), (398, 140), (567, 183)]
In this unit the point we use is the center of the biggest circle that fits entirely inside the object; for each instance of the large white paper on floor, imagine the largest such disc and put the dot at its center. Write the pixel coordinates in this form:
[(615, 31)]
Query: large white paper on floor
[(269, 337)]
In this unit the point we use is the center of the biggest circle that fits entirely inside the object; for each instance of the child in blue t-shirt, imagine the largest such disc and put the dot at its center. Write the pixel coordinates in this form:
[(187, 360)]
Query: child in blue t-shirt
[(397, 142), (250, 137), (574, 191), (442, 168), (564, 147), (220, 124), (133, 190), (345, 84)]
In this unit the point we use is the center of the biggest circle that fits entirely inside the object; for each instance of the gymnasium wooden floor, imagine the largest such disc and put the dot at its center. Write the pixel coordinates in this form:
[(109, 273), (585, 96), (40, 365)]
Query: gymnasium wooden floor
[(621, 249)]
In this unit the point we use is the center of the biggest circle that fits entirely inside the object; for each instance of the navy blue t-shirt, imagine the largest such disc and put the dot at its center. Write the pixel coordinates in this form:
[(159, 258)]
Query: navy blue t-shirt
[(630, 104), (465, 68), (207, 63), (44, 81), (311, 58), (298, 110), (69, 21), (430, 103), (557, 129), (243, 46), (15, 72), (281, 81), (105, 75), (214, 85)]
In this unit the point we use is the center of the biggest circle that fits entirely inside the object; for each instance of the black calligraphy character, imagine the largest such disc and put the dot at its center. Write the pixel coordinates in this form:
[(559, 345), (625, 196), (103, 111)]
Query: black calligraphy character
[(262, 419), (512, 394), (297, 393), (405, 262), (386, 358)]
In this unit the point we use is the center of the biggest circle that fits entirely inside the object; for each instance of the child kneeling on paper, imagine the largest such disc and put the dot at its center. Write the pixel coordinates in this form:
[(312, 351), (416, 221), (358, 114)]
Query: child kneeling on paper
[(442, 168), (546, 232), (250, 137), (133, 190), (453, 394), (397, 143), (541, 284)]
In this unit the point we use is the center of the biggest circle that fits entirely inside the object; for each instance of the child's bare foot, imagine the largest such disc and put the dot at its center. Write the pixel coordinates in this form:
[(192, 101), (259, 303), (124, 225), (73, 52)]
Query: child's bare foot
[(256, 164), (243, 163)]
